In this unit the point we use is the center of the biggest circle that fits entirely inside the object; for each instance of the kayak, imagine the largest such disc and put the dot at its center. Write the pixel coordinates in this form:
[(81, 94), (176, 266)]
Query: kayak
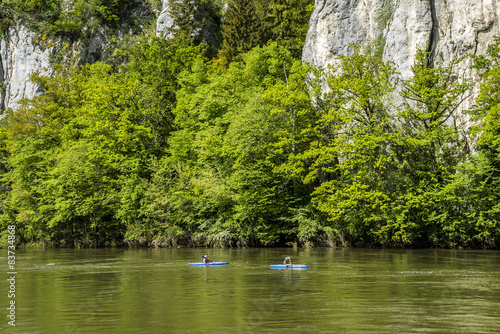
[(209, 264), (293, 266)]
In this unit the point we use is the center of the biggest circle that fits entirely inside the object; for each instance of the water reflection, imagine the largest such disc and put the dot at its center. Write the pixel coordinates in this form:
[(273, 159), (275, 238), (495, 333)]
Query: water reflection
[(342, 291)]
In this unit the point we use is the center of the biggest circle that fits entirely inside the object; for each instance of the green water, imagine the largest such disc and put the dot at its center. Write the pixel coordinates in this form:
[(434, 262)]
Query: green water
[(342, 291)]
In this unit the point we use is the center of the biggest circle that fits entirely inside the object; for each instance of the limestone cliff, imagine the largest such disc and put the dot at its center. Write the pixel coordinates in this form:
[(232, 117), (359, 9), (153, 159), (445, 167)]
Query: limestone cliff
[(164, 21), (19, 58), (447, 28), (24, 51)]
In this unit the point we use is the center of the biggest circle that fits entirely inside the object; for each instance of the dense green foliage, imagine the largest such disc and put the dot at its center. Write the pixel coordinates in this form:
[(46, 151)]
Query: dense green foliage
[(290, 22), (242, 30), (169, 147), (253, 23), (199, 21), (57, 17)]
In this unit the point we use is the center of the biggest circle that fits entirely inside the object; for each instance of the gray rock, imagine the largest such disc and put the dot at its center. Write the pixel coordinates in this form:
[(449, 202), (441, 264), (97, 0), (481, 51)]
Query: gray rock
[(449, 29), (410, 28), (164, 21), (335, 26), (20, 57), (454, 28)]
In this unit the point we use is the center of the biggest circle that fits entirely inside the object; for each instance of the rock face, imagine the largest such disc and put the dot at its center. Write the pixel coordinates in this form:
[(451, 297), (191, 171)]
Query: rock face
[(164, 21), (22, 53), (19, 58), (446, 28), (452, 28), (411, 27), (337, 24)]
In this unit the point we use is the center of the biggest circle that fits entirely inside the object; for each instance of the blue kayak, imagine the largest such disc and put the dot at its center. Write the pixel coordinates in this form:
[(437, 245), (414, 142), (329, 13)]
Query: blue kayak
[(209, 264), (293, 266)]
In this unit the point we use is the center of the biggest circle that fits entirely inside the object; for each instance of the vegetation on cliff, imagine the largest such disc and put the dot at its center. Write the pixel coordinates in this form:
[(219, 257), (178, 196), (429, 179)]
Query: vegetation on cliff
[(74, 19)]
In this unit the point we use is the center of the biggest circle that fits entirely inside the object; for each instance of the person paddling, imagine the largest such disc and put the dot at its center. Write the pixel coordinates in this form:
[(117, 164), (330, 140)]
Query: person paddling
[(206, 260), (287, 261)]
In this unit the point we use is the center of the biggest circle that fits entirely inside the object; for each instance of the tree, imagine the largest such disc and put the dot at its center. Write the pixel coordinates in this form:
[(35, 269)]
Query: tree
[(242, 30), (198, 21), (468, 212), (465, 209), (352, 159), (80, 153), (290, 23), (33, 136), (156, 64), (430, 146), (488, 111), (4, 187), (223, 186), (52, 17)]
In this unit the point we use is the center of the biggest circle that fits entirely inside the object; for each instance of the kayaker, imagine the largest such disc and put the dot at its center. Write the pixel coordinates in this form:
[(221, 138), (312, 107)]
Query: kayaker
[(206, 260), (287, 261)]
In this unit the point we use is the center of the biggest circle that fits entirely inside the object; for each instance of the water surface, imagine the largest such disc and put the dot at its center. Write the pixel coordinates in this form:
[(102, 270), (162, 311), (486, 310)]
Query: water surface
[(342, 291)]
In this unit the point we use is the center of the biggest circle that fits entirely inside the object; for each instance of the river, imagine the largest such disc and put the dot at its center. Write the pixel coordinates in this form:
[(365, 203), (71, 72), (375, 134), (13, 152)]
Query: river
[(117, 290)]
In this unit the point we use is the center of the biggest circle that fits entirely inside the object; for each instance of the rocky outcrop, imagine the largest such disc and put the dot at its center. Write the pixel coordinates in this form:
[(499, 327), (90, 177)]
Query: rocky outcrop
[(24, 52), (205, 18), (410, 27), (337, 25), (20, 57), (164, 21), (446, 28)]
